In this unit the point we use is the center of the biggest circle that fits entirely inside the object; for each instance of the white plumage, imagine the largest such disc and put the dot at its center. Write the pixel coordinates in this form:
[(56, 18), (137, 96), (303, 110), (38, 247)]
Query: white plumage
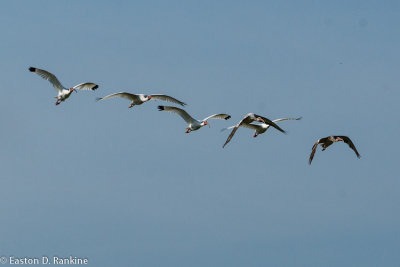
[(63, 92), (193, 124), (138, 99), (249, 118)]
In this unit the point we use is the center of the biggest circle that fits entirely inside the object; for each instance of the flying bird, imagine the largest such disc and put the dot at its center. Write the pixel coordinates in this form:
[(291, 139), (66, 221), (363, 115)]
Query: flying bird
[(329, 140), (138, 99), (63, 93), (249, 118), (260, 128), (193, 124)]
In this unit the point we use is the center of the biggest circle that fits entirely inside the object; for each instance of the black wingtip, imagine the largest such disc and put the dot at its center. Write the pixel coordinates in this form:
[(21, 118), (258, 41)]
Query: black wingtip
[(160, 108), (32, 69), (95, 87), (98, 98), (281, 130), (228, 117)]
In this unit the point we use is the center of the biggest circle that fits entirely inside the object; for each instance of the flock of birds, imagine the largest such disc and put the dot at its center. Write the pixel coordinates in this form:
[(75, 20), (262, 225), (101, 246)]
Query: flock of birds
[(193, 124)]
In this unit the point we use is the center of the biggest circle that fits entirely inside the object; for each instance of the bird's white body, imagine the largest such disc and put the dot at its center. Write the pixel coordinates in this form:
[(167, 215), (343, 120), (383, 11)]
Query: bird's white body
[(63, 94), (142, 98), (195, 125), (260, 129)]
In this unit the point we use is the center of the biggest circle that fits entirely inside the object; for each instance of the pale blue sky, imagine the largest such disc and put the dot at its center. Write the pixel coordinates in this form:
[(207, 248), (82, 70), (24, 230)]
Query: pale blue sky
[(127, 187)]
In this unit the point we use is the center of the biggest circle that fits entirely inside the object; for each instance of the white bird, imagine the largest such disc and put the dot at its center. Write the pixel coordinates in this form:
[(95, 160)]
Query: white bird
[(260, 128), (249, 118), (193, 124), (63, 93), (138, 99)]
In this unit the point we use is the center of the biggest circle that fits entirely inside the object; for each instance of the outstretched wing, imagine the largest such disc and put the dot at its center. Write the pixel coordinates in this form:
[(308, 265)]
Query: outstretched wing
[(167, 98), (269, 122), (86, 86), (120, 94), (221, 116), (178, 111), (49, 77), (231, 135), (348, 141), (314, 148), (287, 119), (246, 120), (249, 126)]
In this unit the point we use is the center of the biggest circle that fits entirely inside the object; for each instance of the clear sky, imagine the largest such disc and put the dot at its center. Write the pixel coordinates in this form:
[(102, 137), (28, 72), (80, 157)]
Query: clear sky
[(127, 187)]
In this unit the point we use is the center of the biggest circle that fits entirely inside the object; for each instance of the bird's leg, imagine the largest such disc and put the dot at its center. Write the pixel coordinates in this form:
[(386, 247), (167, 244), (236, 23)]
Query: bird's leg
[(131, 105), (58, 102), (188, 130), (255, 135)]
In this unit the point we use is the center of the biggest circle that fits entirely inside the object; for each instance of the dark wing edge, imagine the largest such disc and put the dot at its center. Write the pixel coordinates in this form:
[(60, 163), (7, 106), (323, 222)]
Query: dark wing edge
[(273, 124), (348, 141)]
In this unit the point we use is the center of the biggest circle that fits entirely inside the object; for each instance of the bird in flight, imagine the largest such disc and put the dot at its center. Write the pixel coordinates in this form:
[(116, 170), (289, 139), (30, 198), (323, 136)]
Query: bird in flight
[(260, 128), (63, 93), (329, 140), (249, 118), (138, 99), (193, 124)]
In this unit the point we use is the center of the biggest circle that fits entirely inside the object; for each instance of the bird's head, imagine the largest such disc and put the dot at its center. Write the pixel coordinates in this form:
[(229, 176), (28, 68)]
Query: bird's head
[(260, 120), (148, 97), (205, 123)]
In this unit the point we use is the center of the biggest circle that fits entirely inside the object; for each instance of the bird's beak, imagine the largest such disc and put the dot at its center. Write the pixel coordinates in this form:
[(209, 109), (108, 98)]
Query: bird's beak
[(260, 120)]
